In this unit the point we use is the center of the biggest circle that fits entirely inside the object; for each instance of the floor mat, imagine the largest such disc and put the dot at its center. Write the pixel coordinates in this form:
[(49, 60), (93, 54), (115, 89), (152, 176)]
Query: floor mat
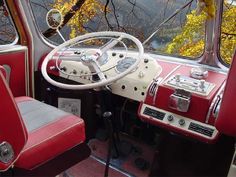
[(91, 167), (135, 158)]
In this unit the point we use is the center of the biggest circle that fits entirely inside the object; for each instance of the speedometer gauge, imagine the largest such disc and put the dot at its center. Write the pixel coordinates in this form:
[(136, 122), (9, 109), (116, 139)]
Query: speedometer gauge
[(124, 64)]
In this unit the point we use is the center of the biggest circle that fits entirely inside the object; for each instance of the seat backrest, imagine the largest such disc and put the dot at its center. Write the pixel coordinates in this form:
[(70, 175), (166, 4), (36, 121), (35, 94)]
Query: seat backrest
[(13, 135), (226, 121)]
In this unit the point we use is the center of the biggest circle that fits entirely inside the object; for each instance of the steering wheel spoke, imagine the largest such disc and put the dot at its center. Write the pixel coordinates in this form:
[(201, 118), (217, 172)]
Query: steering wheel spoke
[(70, 58), (112, 43), (95, 68)]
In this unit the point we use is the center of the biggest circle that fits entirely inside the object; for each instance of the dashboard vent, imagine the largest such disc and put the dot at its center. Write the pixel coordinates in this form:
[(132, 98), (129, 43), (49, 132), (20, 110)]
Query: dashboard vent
[(154, 113), (201, 129), (153, 89)]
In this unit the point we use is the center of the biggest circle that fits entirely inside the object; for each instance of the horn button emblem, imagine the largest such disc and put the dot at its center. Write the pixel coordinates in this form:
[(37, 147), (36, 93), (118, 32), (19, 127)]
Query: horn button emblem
[(90, 56)]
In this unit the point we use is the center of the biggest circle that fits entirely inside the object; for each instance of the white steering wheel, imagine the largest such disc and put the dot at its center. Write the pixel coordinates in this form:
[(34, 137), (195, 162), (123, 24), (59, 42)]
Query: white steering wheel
[(91, 57)]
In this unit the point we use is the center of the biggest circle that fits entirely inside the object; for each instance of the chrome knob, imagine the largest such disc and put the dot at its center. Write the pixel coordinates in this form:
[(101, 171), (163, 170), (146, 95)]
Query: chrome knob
[(170, 118), (177, 78), (199, 73), (181, 122), (202, 84)]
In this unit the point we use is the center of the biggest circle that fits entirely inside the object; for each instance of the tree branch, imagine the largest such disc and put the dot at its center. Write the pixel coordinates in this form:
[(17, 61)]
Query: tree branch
[(49, 32), (105, 12), (229, 34)]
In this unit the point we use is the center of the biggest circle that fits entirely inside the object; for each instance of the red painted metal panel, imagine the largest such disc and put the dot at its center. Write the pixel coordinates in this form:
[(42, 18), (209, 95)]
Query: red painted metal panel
[(226, 122), (16, 60), (199, 106)]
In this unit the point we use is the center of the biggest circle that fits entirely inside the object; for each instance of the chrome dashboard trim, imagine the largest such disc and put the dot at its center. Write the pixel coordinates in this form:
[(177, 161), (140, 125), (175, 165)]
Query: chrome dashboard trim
[(214, 102)]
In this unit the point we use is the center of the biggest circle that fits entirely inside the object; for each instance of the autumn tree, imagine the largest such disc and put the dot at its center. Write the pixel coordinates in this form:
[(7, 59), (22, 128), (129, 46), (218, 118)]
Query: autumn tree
[(190, 42), (7, 30), (228, 32), (81, 16)]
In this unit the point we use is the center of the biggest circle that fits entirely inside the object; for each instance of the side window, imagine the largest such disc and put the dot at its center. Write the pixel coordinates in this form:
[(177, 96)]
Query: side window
[(8, 34), (228, 31)]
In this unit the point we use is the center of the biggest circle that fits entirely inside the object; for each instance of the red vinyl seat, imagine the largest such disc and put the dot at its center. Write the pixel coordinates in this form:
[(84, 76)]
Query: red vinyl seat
[(37, 134), (50, 132)]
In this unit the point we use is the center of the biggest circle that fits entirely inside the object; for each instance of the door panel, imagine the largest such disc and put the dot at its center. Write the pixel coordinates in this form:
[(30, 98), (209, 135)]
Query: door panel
[(226, 121), (15, 62)]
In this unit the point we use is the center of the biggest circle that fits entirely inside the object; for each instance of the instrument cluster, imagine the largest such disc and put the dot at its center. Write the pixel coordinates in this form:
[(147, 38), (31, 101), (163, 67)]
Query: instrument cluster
[(133, 85)]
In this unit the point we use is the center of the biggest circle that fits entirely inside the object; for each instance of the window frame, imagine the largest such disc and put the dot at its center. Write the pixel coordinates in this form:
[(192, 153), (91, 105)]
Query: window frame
[(220, 6)]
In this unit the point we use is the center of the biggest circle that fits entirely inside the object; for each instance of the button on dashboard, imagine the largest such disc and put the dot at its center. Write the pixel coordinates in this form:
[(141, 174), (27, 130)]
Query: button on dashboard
[(170, 117), (181, 122)]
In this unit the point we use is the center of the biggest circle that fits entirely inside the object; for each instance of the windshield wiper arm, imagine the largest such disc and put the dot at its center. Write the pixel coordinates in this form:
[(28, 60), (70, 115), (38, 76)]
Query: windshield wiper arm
[(49, 32), (166, 20)]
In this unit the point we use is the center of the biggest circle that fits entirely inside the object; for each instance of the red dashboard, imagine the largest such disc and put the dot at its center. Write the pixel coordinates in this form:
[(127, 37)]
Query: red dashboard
[(196, 120)]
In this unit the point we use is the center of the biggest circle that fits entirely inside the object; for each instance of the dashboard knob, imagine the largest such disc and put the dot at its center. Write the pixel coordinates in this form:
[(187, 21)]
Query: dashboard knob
[(121, 55), (74, 72), (202, 84), (146, 60), (199, 73), (170, 117), (177, 78), (141, 74), (64, 69), (181, 122)]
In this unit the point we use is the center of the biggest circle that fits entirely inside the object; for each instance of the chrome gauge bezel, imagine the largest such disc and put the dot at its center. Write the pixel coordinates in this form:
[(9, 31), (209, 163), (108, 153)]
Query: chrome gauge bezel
[(122, 60)]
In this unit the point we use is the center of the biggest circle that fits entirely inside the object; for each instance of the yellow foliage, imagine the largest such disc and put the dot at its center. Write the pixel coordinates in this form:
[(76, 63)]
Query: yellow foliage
[(228, 34), (208, 6), (88, 10), (190, 41)]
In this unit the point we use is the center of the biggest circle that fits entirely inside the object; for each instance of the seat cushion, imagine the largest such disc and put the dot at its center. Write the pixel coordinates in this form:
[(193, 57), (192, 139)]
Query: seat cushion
[(50, 132)]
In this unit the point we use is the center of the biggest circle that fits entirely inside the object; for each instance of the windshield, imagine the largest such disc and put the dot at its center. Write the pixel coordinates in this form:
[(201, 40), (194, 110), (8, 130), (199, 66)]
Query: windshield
[(167, 27)]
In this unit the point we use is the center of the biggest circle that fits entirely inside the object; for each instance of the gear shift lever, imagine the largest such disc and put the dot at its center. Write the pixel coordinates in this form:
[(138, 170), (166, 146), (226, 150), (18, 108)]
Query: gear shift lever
[(107, 116)]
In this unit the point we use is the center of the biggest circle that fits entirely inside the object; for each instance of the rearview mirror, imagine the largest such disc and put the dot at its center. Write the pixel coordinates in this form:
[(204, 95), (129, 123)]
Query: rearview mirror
[(54, 18)]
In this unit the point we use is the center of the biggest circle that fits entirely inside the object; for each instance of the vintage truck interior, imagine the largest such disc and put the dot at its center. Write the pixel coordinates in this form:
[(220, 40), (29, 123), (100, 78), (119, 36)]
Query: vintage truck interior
[(94, 88)]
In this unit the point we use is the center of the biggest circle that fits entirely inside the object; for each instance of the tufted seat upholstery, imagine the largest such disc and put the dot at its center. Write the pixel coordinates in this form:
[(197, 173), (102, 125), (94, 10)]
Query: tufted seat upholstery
[(50, 132)]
